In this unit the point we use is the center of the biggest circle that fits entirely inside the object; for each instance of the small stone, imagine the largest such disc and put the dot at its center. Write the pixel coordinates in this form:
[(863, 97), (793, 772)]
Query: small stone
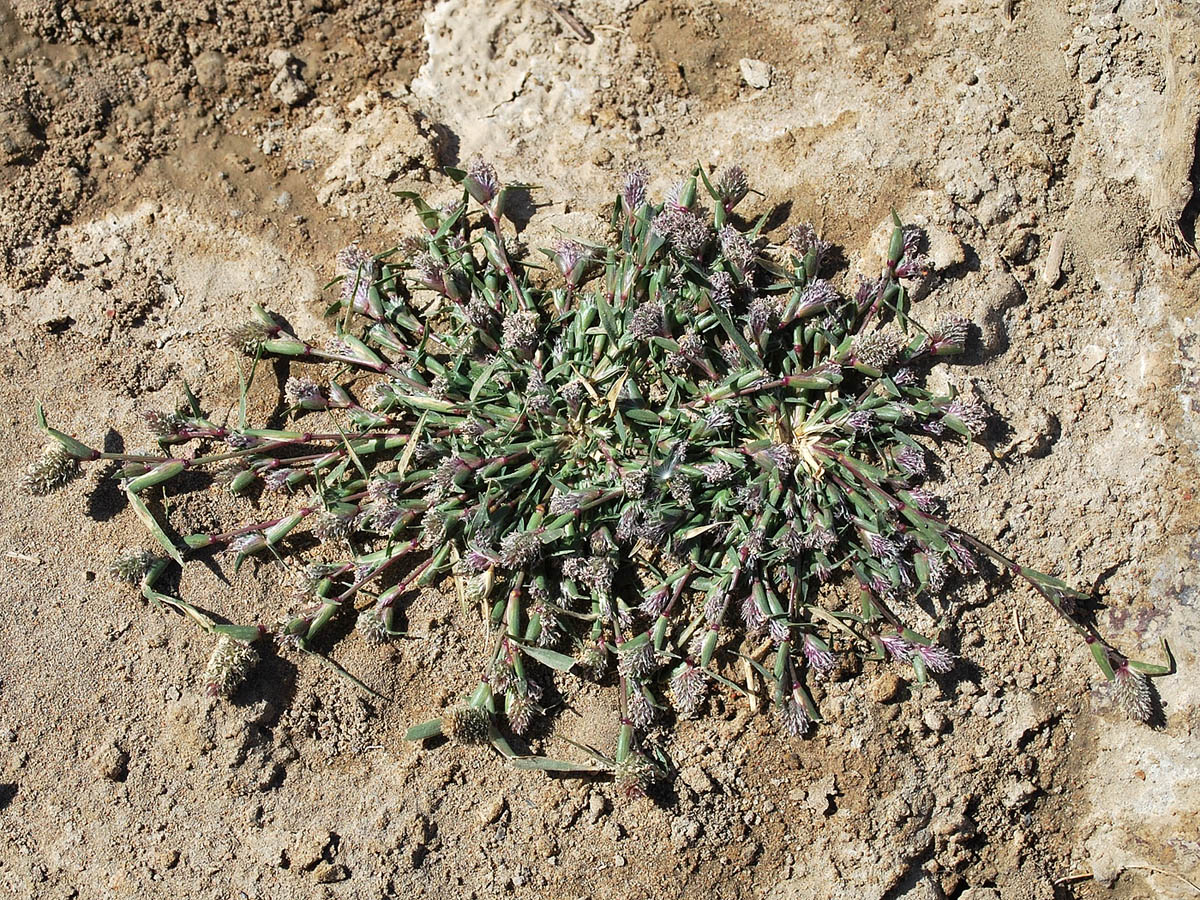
[(980, 893), (650, 126), (619, 861), (491, 810), (819, 793), (1091, 356), (328, 873), (19, 140), (310, 847), (945, 250), (1053, 268), (596, 808), (887, 688), (1091, 65), (697, 779), (1022, 247), (280, 58), (986, 707), (110, 762), (210, 70), (1019, 794), (755, 72), (289, 88), (935, 720), (284, 200), (684, 833)]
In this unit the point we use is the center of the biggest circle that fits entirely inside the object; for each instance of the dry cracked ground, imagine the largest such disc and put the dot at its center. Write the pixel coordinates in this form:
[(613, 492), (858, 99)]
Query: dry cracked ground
[(162, 166)]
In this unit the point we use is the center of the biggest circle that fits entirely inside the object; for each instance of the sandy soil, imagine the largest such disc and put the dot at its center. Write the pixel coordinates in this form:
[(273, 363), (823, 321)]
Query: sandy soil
[(159, 171)]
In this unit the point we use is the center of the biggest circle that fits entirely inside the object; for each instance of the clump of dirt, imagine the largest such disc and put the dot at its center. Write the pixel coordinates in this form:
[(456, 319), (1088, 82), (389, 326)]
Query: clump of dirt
[(89, 95)]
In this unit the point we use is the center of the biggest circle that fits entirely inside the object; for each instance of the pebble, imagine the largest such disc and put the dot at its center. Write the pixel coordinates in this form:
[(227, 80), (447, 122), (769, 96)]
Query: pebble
[(1052, 270), (945, 250), (110, 762), (596, 807), (310, 847), (1019, 793), (887, 687), (684, 833), (280, 58), (650, 126), (1021, 248), (980, 893), (289, 88), (755, 72), (18, 135), (986, 707), (819, 793), (491, 810), (328, 873), (697, 779), (935, 720), (1091, 356), (210, 70)]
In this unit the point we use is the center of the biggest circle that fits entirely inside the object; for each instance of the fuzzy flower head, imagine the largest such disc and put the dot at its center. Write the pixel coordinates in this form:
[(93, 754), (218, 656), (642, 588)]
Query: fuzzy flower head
[(359, 271), (936, 659), (970, 412), (163, 424), (249, 337), (228, 667), (803, 238), (481, 182), (521, 332), (950, 336), (50, 471), (1131, 689), (638, 662), (818, 655), (688, 688), (911, 460), (763, 315), (736, 249), (520, 712), (131, 566), (876, 349), (635, 775), (520, 550), (466, 725), (731, 187), (574, 260), (817, 297), (896, 646), (721, 289), (793, 716), (686, 231), (648, 321), (372, 626), (633, 190), (303, 393)]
